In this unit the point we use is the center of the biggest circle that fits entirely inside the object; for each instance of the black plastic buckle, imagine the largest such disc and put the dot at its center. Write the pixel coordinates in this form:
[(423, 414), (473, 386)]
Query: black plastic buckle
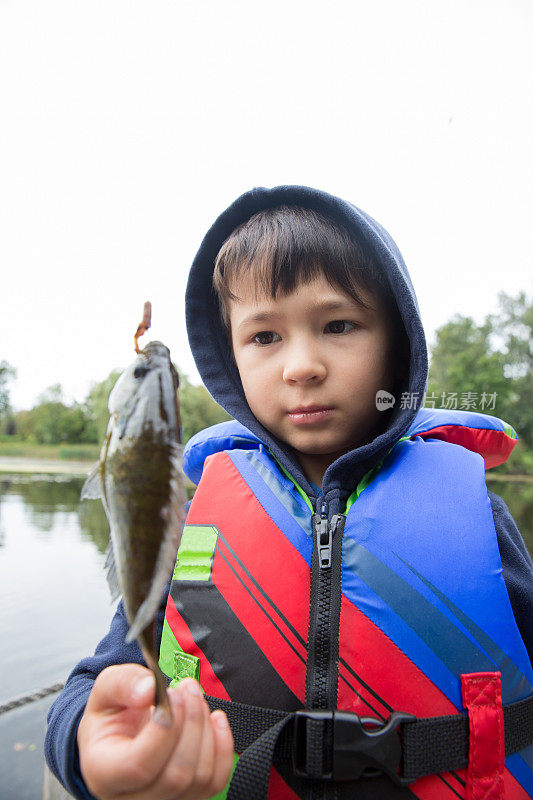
[(363, 747)]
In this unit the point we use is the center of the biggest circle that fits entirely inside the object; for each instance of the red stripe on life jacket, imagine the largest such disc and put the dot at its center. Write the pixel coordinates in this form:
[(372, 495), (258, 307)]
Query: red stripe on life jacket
[(399, 684), (396, 681), (261, 620), (279, 789), (494, 446), (383, 666), (512, 790), (266, 571), (449, 787)]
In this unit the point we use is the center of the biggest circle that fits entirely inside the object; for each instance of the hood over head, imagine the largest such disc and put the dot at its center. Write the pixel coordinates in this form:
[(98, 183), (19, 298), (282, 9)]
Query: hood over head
[(218, 370)]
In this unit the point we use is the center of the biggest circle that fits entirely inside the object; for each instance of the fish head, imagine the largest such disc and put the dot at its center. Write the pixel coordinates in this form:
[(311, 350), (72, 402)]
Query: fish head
[(146, 394)]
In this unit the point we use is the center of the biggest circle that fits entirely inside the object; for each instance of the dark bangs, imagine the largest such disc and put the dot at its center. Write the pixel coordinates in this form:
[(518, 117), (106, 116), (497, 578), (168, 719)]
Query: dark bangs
[(284, 247)]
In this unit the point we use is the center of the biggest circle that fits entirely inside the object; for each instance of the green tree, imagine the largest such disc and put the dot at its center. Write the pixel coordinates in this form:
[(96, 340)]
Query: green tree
[(97, 401), (513, 330), (51, 421), (462, 361), (7, 372), (494, 359), (24, 425)]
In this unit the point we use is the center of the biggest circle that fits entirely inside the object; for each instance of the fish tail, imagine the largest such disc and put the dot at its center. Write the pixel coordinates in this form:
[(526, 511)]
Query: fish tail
[(163, 712)]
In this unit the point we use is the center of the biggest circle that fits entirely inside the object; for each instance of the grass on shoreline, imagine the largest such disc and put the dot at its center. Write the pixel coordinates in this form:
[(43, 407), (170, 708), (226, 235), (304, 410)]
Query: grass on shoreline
[(55, 452)]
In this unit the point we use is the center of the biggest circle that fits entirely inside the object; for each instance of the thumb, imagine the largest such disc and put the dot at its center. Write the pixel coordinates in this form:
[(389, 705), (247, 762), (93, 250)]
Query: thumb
[(122, 686)]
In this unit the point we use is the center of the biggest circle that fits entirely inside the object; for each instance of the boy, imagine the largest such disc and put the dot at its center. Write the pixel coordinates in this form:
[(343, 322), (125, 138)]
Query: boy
[(335, 555)]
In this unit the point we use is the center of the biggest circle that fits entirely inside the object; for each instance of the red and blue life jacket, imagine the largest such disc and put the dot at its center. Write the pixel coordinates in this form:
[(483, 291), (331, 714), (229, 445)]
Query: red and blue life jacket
[(425, 623)]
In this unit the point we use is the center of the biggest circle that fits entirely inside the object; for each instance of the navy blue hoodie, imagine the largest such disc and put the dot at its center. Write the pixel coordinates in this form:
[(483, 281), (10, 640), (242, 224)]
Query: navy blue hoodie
[(219, 373)]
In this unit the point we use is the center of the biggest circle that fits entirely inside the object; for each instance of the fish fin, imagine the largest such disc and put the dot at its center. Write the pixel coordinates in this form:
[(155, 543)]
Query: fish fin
[(111, 572), (92, 488)]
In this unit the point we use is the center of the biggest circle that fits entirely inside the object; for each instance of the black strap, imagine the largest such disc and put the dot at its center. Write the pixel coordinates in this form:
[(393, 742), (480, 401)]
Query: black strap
[(429, 746), (252, 773), (248, 722), (440, 744)]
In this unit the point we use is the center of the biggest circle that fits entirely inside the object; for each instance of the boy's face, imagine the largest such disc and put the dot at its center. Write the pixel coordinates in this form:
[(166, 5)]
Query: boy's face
[(311, 363)]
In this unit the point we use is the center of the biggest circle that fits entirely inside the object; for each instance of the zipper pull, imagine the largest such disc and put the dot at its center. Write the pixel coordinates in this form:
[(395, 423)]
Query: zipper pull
[(324, 533), (323, 536), (324, 541)]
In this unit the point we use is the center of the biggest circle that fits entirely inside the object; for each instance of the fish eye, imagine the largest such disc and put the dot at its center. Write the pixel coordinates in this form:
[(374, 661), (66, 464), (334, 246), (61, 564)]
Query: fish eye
[(140, 371)]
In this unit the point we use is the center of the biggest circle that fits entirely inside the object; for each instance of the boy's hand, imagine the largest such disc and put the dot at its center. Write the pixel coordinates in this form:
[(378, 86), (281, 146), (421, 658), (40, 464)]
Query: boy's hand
[(124, 752)]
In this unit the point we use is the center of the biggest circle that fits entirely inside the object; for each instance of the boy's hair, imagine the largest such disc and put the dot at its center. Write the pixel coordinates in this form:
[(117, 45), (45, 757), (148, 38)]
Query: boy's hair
[(285, 246)]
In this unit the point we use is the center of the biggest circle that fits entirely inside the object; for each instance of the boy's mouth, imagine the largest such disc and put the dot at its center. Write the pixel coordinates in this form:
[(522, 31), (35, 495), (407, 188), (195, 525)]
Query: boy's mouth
[(306, 415)]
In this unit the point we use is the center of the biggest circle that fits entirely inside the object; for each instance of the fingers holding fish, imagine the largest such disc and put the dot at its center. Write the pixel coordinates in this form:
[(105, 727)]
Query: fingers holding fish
[(216, 758), (206, 761), (122, 686), (224, 752), (189, 771), (126, 753), (201, 762), (121, 747)]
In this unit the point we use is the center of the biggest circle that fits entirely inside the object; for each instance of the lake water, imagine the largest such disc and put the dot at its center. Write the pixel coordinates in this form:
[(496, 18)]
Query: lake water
[(54, 608), (55, 604)]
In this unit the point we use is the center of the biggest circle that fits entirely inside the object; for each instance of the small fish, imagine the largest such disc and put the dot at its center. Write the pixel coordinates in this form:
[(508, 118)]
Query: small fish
[(140, 482)]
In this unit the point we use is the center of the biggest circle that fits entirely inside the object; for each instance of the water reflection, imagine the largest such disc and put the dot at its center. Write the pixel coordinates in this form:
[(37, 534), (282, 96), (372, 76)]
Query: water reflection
[(44, 492), (54, 607), (46, 497), (93, 523)]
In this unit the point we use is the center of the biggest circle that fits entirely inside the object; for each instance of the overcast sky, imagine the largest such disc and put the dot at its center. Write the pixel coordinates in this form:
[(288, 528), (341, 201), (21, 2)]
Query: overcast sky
[(127, 126)]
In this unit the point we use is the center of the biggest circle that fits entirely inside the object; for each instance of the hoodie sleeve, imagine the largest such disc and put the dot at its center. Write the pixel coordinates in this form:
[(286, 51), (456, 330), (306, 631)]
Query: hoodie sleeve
[(517, 569), (60, 746)]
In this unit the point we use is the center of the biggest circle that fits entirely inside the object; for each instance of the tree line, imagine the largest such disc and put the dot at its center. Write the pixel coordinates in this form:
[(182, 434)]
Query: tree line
[(488, 367), (54, 421), (484, 367)]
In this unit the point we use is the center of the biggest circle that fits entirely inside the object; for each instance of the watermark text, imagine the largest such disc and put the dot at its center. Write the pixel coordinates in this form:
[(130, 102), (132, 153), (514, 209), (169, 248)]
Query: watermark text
[(453, 401)]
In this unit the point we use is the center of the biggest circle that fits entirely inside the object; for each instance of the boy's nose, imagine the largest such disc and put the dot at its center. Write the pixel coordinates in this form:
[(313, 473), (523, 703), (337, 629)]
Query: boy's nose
[(303, 365)]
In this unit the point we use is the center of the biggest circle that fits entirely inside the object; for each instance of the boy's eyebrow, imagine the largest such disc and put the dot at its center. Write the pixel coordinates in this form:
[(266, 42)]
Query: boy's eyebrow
[(326, 305), (253, 319), (333, 305), (261, 316)]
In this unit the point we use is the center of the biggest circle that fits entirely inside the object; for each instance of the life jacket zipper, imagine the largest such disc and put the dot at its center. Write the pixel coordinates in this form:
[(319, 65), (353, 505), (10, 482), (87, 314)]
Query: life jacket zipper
[(324, 611)]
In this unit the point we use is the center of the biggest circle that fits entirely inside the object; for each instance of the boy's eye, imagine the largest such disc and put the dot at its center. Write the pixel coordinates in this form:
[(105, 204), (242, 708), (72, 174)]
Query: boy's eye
[(339, 326), (266, 337)]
